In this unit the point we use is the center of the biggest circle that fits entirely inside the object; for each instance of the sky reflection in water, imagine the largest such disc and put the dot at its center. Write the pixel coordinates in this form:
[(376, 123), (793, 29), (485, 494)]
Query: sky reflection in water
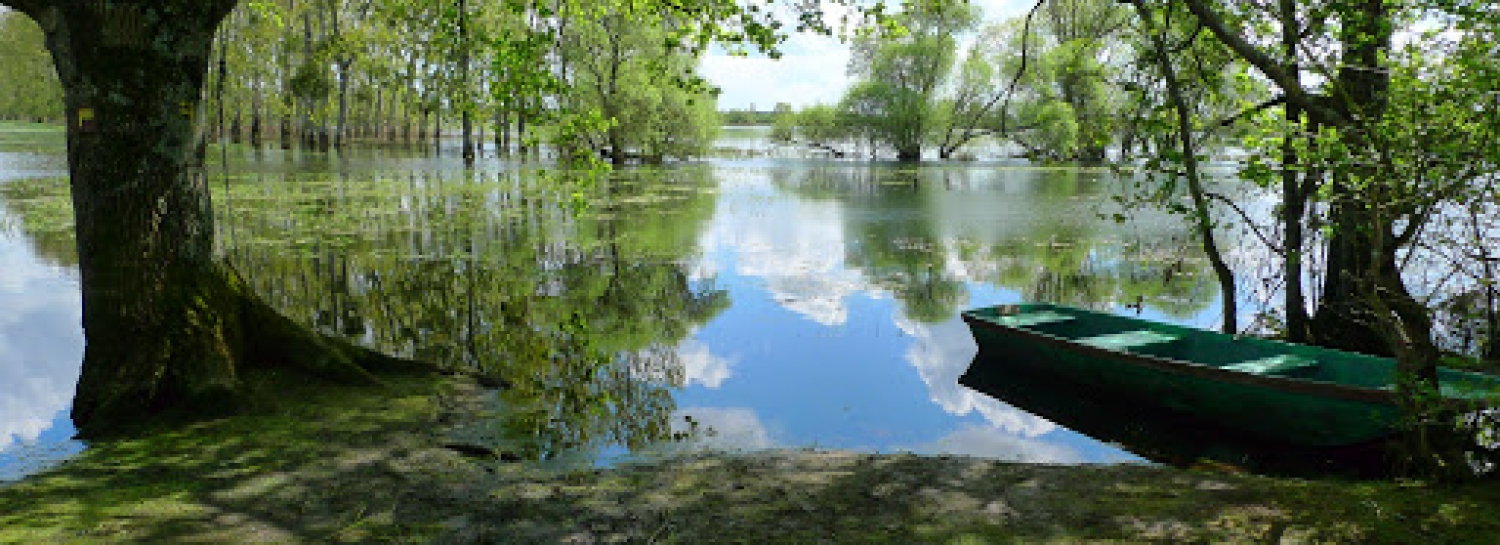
[(41, 348), (843, 281)]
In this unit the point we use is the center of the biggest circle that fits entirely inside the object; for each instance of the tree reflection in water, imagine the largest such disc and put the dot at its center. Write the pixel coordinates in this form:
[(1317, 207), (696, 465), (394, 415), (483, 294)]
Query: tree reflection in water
[(580, 308), (921, 233)]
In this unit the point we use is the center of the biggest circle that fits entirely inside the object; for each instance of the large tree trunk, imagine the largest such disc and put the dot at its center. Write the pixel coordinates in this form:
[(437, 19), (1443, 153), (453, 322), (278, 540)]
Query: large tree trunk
[(1346, 320), (168, 328), (1293, 197)]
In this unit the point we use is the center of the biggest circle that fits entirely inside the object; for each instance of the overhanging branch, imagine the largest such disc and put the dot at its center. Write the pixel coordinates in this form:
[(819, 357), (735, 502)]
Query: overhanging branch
[(1248, 222), (1279, 99), (1025, 44), (1284, 78)]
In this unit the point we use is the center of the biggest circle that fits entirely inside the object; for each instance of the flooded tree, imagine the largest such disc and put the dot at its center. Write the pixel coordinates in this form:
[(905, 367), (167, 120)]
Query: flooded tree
[(170, 328), (896, 97)]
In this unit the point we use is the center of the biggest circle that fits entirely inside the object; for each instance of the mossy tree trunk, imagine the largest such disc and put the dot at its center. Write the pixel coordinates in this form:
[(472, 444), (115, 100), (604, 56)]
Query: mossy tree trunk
[(168, 328)]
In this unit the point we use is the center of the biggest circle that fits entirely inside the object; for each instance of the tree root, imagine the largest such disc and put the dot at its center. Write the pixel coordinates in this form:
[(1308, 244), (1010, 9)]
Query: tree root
[(215, 352)]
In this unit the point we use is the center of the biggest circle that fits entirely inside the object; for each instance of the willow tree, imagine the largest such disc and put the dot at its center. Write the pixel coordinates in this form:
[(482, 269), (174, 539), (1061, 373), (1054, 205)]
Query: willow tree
[(900, 74)]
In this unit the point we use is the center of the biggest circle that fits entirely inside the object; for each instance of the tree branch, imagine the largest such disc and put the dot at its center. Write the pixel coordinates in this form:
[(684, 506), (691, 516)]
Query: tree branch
[(1187, 42), (1288, 82), (1248, 222), (1279, 99), (1025, 44)]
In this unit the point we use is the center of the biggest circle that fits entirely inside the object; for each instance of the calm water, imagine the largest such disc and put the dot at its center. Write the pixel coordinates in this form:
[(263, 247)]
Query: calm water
[(758, 300)]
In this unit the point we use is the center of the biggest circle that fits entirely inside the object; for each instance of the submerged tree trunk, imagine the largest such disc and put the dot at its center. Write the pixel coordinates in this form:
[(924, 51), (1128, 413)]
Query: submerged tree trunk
[(167, 327), (521, 144), (463, 70), (341, 132), (501, 132), (255, 125)]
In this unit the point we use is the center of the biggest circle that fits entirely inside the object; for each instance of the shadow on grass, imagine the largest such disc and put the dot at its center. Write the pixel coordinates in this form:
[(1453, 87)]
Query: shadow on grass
[(326, 466), (351, 464)]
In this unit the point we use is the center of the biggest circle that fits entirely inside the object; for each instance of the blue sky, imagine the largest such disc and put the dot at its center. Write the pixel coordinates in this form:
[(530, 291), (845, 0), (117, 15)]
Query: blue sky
[(811, 70)]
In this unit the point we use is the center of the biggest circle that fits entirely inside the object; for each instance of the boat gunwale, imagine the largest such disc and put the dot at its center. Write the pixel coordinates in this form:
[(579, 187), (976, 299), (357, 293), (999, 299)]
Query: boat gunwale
[(1183, 367)]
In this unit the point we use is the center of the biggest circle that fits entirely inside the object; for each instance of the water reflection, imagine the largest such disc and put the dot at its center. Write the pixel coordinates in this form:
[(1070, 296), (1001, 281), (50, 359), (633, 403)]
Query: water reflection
[(585, 310), (41, 348), (731, 304), (1157, 434)]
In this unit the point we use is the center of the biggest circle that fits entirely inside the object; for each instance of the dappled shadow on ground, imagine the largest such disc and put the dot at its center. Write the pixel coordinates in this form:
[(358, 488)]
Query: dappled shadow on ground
[(330, 470), (367, 465), (813, 497)]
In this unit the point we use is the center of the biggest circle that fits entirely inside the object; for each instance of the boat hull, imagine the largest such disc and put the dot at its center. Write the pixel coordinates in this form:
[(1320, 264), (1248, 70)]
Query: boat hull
[(1286, 392), (1275, 413)]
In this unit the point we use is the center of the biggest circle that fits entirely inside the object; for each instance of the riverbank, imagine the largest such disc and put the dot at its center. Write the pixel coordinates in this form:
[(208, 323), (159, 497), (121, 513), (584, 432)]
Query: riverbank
[(354, 464)]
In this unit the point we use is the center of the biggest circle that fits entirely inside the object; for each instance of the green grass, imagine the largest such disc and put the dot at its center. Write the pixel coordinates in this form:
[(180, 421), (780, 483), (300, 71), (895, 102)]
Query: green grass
[(259, 473), (361, 464)]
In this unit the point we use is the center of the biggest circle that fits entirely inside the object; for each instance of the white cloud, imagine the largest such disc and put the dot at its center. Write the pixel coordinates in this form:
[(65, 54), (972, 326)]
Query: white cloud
[(994, 443), (41, 344), (731, 428), (812, 69), (701, 366), (785, 242), (941, 353)]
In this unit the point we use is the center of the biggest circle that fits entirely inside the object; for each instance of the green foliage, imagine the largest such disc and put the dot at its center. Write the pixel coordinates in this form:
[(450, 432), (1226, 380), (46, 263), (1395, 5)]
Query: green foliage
[(624, 70), (784, 128), (825, 127), (748, 117), (312, 81), (895, 101), (29, 89), (394, 64), (1071, 56)]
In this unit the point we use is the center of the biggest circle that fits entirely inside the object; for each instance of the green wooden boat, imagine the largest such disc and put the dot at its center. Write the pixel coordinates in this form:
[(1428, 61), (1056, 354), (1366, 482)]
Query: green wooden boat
[(1298, 394)]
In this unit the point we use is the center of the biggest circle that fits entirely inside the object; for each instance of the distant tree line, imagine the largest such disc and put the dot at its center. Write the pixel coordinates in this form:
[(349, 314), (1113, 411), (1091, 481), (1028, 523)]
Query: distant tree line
[(753, 117), (1056, 85), (319, 74)]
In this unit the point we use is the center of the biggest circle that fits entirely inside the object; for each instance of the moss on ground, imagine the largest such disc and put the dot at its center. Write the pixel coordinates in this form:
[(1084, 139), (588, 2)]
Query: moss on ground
[(362, 464)]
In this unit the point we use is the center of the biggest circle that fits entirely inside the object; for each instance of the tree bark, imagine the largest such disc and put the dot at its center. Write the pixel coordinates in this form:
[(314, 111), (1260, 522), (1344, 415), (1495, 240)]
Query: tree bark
[(341, 131), (1293, 199), (1343, 318), (463, 83), (502, 132), (1202, 219), (168, 328), (309, 140)]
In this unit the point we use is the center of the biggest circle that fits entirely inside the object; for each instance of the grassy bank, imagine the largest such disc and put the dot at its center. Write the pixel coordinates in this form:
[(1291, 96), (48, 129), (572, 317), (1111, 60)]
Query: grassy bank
[(359, 464)]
